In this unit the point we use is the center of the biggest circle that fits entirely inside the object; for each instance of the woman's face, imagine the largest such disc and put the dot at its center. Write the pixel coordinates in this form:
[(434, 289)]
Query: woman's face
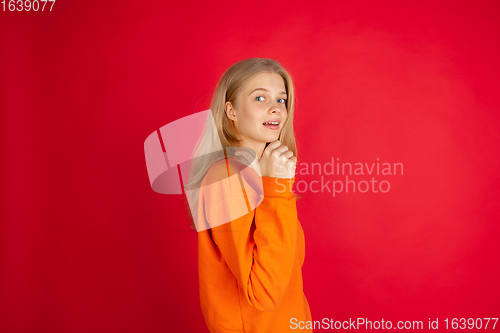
[(261, 100)]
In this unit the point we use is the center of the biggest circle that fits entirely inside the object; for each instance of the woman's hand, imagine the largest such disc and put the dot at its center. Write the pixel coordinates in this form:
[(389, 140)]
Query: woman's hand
[(277, 161)]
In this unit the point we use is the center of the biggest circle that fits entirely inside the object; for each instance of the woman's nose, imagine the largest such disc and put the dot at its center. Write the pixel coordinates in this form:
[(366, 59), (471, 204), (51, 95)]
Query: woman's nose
[(276, 109)]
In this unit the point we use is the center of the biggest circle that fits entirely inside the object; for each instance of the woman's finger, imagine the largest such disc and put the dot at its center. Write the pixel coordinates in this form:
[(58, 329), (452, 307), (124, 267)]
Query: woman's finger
[(287, 154)]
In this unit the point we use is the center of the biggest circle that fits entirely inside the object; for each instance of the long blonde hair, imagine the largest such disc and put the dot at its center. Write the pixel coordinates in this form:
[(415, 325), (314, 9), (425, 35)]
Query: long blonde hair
[(227, 89)]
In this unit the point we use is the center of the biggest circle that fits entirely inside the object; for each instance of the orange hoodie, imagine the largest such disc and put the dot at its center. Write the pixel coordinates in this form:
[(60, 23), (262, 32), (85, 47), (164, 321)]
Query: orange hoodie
[(250, 275)]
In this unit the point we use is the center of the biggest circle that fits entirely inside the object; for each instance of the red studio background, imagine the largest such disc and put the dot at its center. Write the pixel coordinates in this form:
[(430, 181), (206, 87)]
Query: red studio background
[(86, 245)]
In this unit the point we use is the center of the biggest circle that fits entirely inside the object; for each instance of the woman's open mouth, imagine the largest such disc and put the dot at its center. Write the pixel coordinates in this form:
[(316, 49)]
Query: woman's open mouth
[(272, 124)]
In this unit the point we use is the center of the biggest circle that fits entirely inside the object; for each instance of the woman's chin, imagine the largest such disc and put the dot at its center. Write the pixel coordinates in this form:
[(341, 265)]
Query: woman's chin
[(268, 138), (272, 138)]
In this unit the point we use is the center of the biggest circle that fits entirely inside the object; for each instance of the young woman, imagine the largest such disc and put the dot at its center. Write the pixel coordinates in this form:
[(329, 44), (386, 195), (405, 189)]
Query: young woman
[(249, 262)]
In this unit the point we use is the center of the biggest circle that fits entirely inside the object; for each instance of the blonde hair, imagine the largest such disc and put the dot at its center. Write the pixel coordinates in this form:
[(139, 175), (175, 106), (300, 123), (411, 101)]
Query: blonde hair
[(227, 89)]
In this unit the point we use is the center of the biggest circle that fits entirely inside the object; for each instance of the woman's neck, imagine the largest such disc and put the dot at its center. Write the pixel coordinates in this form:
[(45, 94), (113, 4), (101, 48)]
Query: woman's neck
[(258, 147)]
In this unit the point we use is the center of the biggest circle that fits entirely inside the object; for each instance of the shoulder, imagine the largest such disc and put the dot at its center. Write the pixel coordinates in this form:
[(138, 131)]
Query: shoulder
[(222, 169), (228, 176), (223, 196)]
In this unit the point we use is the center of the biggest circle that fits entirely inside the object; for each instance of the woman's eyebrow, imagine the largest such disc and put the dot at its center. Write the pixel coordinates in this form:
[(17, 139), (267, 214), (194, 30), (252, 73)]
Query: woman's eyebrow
[(282, 93)]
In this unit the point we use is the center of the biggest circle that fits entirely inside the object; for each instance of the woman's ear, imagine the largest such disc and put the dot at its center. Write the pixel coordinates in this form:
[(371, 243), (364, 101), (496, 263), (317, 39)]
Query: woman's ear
[(230, 112)]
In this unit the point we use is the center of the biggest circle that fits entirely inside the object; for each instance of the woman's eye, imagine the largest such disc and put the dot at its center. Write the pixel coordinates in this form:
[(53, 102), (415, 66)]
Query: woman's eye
[(281, 99)]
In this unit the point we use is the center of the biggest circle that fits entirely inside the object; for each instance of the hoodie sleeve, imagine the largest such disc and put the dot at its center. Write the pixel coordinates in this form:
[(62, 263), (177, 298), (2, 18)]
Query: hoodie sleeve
[(259, 247)]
